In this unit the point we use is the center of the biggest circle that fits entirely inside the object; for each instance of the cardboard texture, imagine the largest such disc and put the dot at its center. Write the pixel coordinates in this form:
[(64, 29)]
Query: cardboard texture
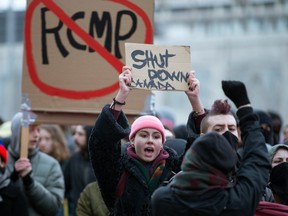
[(156, 67), (24, 142), (74, 52)]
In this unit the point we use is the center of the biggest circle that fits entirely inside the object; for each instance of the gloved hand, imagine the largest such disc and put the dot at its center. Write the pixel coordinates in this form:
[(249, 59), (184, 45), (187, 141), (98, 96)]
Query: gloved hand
[(236, 91)]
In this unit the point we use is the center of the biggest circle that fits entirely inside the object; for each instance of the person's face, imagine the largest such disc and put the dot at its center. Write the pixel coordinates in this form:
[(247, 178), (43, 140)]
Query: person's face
[(45, 141), (281, 156), (148, 143), (80, 136), (33, 135), (222, 123), (285, 134)]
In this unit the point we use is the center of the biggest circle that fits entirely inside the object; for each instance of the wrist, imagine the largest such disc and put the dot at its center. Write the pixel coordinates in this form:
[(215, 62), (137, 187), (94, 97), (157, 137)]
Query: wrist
[(27, 179), (244, 111), (117, 104), (243, 106), (197, 112)]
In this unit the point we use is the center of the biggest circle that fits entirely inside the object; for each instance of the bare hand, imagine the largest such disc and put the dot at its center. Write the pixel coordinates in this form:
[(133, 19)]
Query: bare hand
[(194, 93), (194, 86), (125, 79), (23, 166)]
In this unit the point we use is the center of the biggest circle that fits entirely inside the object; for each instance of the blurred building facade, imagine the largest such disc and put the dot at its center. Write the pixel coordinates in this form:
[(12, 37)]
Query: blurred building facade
[(243, 40)]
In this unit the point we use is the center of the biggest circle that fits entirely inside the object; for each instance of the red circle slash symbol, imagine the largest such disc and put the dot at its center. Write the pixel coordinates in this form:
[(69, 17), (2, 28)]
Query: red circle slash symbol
[(91, 42)]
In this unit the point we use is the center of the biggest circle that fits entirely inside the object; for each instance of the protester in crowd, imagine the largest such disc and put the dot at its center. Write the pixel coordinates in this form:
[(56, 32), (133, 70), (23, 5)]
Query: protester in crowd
[(12, 199), (177, 144), (279, 183), (278, 154), (221, 119), (91, 202), (127, 182), (205, 185), (78, 172), (279, 174), (39, 175), (266, 126), (285, 134), (69, 131), (180, 131), (168, 133), (52, 142), (276, 125)]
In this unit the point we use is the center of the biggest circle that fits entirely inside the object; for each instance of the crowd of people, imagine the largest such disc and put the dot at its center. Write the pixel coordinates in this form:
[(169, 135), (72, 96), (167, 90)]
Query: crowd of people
[(222, 162)]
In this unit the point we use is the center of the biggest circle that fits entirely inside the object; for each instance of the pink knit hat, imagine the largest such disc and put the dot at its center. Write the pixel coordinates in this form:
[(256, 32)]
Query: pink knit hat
[(147, 121)]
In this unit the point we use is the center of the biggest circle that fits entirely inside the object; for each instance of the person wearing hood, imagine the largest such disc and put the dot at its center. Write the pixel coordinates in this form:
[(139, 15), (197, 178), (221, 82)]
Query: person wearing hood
[(279, 173), (39, 175), (78, 171), (204, 185), (12, 199), (266, 124), (278, 183)]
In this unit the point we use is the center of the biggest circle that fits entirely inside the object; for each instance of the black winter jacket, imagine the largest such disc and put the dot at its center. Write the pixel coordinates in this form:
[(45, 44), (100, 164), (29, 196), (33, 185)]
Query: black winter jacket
[(109, 165), (13, 202)]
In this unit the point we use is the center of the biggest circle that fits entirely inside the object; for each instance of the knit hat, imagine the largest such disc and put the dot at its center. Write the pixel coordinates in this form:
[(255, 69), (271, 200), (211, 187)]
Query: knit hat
[(147, 121), (275, 148), (215, 150), (206, 165), (3, 152)]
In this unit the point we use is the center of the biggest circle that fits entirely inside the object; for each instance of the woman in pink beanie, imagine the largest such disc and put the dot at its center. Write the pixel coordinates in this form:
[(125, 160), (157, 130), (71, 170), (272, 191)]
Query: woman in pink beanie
[(127, 179)]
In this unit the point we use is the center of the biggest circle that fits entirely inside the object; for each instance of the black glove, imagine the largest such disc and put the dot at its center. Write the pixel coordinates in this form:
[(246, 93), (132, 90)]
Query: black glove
[(236, 91), (28, 180)]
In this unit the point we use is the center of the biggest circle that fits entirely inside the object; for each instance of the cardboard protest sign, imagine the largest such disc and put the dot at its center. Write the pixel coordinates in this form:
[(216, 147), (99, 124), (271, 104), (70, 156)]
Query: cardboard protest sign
[(74, 52), (157, 67)]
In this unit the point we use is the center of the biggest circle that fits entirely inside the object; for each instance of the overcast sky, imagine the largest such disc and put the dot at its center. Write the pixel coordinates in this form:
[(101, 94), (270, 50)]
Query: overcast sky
[(15, 4)]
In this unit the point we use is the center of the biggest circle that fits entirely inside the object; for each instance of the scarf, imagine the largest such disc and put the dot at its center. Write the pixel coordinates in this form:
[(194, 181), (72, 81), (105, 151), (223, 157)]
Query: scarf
[(151, 171), (198, 175)]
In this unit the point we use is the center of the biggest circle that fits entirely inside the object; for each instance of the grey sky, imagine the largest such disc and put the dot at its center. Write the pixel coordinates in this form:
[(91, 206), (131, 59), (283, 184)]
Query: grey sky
[(14, 4)]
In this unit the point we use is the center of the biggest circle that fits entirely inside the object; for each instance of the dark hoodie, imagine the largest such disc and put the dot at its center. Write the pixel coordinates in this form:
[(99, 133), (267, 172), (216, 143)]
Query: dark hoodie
[(78, 172), (203, 186)]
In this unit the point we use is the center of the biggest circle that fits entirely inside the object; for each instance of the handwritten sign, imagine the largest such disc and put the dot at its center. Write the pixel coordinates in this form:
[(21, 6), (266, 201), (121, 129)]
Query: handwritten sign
[(156, 67), (74, 52)]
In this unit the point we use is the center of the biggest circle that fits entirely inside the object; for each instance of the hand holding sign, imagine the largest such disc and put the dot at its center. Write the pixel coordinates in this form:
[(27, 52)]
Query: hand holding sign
[(193, 93), (125, 79), (158, 67)]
